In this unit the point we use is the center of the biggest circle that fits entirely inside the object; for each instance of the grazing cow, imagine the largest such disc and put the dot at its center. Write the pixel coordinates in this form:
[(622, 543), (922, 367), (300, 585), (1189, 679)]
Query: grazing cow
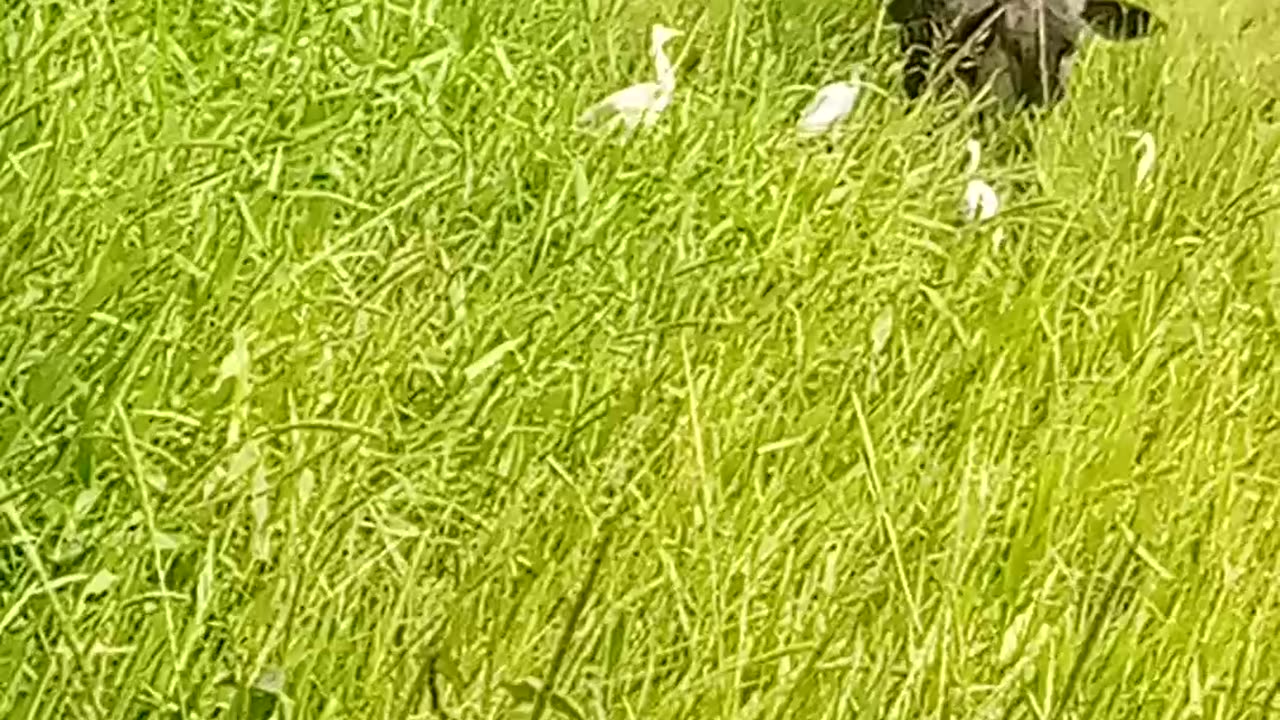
[(1023, 48)]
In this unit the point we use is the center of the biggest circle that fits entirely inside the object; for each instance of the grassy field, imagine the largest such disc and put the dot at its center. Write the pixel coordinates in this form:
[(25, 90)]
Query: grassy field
[(341, 378)]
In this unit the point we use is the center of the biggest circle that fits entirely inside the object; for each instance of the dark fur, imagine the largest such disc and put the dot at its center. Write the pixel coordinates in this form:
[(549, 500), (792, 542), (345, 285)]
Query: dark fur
[(1023, 49)]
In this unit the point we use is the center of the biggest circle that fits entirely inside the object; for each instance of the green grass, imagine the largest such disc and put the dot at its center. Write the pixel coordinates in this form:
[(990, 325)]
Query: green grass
[(341, 378)]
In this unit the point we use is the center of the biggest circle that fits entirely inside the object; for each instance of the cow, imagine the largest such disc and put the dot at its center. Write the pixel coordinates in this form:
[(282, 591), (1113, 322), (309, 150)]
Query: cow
[(1022, 49)]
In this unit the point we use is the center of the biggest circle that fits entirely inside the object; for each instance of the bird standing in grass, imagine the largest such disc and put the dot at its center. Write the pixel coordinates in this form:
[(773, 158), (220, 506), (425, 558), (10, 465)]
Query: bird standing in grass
[(642, 103), (830, 105), (1147, 161), (980, 199)]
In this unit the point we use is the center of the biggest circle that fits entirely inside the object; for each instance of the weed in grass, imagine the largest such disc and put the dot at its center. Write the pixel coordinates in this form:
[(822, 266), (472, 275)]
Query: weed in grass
[(341, 377)]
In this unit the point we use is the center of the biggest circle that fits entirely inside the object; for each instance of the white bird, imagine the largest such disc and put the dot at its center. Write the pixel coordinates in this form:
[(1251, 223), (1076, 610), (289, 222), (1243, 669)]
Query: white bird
[(980, 199), (1147, 162), (830, 105), (642, 103)]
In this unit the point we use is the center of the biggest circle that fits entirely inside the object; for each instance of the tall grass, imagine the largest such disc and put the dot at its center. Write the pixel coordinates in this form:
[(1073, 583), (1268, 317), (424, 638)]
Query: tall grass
[(341, 378)]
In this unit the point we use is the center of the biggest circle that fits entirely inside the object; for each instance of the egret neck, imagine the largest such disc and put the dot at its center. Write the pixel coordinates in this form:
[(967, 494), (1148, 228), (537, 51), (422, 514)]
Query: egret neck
[(975, 156), (661, 63)]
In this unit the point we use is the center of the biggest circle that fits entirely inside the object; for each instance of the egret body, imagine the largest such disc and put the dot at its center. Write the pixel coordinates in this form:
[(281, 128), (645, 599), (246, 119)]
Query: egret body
[(642, 103), (830, 106), (980, 199)]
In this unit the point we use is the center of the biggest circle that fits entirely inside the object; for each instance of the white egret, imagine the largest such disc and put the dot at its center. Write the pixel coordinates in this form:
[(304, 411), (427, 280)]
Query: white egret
[(980, 199), (1147, 161), (642, 103), (830, 105)]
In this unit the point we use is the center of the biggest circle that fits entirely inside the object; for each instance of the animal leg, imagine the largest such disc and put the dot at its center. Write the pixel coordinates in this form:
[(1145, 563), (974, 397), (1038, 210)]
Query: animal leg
[(915, 39)]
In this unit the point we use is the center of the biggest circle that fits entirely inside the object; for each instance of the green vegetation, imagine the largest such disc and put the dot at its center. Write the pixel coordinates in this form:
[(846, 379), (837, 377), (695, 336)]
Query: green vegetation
[(341, 378)]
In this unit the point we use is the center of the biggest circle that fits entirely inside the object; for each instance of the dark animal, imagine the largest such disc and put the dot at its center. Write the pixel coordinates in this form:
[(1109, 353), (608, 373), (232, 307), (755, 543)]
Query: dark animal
[(1023, 49)]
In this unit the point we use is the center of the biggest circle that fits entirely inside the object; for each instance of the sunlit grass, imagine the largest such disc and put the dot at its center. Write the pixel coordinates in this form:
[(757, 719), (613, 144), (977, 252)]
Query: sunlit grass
[(340, 377)]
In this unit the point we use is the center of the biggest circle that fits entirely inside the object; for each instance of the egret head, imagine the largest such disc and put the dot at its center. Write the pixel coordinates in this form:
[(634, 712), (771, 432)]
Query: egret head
[(1144, 140), (662, 33)]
